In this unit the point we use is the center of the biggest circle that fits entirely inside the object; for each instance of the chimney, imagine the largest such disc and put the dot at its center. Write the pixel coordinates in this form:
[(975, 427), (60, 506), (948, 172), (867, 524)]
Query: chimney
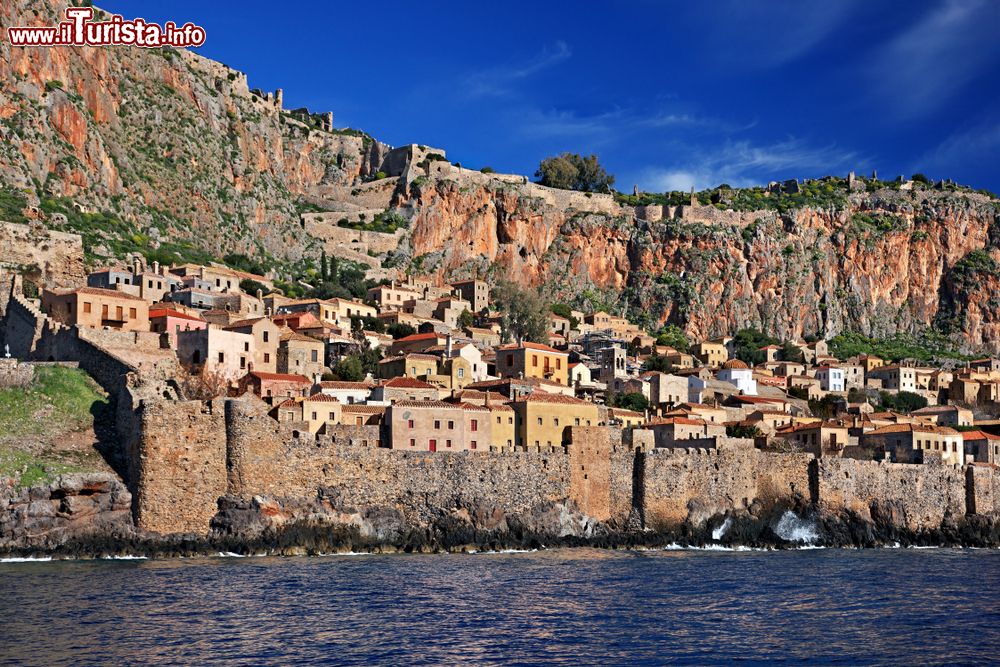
[(260, 293), (447, 346), (156, 267), (136, 268)]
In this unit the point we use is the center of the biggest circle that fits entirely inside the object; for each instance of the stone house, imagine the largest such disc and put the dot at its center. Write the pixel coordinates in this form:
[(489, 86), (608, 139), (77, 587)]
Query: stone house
[(413, 365), (502, 425), (417, 343), (680, 431), (625, 418), (895, 377), (770, 353), (96, 308), (363, 415), (266, 336), (665, 389), (533, 360), (944, 415), (347, 393), (449, 308), (227, 353), (433, 426), (818, 438), (404, 389), (483, 338), (300, 354), (559, 325), (392, 296), (274, 387), (170, 322), (319, 410), (906, 443), (982, 447), (710, 354), (830, 378), (475, 292), (737, 373), (786, 368), (680, 359), (542, 419)]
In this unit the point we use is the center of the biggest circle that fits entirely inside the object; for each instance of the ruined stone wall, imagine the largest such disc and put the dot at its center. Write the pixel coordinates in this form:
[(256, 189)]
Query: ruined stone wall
[(179, 465), (324, 226), (917, 497), (47, 258), (679, 485), (982, 489)]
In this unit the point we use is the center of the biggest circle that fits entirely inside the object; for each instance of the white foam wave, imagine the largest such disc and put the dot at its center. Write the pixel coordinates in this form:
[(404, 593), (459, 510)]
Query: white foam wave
[(793, 528), (43, 559), (718, 533)]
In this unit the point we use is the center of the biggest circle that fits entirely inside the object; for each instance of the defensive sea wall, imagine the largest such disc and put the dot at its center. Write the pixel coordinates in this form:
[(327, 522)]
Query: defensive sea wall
[(196, 459)]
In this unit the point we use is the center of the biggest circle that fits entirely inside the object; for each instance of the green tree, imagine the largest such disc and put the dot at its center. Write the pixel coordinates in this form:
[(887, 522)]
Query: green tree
[(349, 369), (465, 319), (251, 286), (632, 400), (904, 401), (562, 310), (656, 362), (748, 343), (791, 352), (524, 315), (743, 431), (672, 336), (400, 330), (571, 171)]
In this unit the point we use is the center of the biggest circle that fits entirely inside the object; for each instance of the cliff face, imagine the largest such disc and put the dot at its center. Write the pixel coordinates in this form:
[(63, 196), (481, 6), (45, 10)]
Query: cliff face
[(163, 137), (880, 264)]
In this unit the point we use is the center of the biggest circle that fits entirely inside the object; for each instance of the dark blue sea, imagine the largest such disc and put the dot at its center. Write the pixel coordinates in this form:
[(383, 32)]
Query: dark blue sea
[(568, 607)]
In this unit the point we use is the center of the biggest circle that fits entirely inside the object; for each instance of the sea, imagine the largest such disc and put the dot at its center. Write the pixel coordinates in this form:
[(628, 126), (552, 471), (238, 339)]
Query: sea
[(564, 606)]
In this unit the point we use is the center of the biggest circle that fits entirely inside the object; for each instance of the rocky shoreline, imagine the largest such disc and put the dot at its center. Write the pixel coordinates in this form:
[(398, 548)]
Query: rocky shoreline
[(84, 516)]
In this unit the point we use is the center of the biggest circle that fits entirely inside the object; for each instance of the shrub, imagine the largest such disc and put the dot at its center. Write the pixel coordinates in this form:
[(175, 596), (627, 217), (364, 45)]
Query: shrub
[(488, 170), (570, 171)]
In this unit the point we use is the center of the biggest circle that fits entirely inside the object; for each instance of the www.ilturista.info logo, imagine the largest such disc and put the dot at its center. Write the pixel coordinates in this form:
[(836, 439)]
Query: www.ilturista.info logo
[(79, 30)]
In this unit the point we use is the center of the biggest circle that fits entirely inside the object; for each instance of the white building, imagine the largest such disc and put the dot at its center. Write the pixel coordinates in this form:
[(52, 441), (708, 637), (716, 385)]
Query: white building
[(737, 373), (830, 378)]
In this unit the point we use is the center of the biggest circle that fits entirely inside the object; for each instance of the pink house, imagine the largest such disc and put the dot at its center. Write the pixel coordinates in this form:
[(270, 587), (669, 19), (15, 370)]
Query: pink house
[(171, 321)]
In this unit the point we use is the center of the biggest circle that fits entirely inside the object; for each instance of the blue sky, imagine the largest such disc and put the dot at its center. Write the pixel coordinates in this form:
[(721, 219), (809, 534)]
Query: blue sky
[(669, 95)]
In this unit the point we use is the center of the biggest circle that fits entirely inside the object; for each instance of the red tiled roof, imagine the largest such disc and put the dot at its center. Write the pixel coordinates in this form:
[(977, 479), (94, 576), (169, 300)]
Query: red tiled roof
[(280, 377), (97, 291), (683, 421), (532, 346), (437, 405), (546, 397), (341, 384), (979, 435), (169, 312), (364, 409), (913, 428), (240, 324), (419, 336), (323, 398), (407, 383)]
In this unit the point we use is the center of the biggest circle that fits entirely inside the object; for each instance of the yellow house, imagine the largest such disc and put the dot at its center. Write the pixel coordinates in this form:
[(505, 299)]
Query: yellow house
[(533, 360), (542, 418), (412, 365), (320, 409), (711, 354), (504, 431)]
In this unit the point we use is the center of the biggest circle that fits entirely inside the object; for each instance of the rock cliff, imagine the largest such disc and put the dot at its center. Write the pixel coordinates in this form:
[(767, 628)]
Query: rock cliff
[(173, 146)]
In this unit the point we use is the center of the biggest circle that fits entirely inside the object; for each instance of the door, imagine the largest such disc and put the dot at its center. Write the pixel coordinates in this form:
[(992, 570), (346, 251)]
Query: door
[(434, 445)]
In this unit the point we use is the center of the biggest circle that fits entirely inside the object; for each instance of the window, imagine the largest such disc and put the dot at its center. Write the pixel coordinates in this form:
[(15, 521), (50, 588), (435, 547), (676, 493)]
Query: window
[(413, 371), (437, 424), (461, 372), (314, 356), (330, 417), (246, 346), (510, 360), (447, 443), (409, 423), (86, 306), (472, 445), (475, 425), (267, 357), (222, 357), (555, 420), (451, 425), (576, 421), (358, 421), (534, 360), (539, 421), (104, 311), (413, 442), (558, 364), (267, 335), (243, 362), (510, 420), (314, 416), (498, 420), (119, 312)]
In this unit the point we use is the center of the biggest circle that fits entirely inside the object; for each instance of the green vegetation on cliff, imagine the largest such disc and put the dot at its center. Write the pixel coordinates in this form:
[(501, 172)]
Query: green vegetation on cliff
[(927, 346), (46, 428)]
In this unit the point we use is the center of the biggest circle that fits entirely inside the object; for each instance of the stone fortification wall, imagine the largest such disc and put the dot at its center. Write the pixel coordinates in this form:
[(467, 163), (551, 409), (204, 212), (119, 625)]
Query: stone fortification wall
[(324, 226), (917, 497), (680, 485), (179, 465)]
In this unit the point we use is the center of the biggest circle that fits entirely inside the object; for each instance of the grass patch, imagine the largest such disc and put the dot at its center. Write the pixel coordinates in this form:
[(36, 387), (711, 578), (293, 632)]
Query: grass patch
[(28, 470), (59, 400)]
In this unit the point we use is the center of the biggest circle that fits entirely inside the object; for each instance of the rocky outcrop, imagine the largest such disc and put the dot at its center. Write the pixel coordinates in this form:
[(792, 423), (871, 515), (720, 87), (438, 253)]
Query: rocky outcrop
[(92, 508)]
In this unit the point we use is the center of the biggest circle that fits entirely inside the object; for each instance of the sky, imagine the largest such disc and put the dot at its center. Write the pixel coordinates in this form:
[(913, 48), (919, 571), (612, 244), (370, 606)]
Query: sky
[(668, 95)]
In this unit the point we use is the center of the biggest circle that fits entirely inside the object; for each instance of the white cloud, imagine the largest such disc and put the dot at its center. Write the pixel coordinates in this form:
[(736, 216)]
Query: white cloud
[(920, 70), (980, 143), (499, 80), (741, 164)]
